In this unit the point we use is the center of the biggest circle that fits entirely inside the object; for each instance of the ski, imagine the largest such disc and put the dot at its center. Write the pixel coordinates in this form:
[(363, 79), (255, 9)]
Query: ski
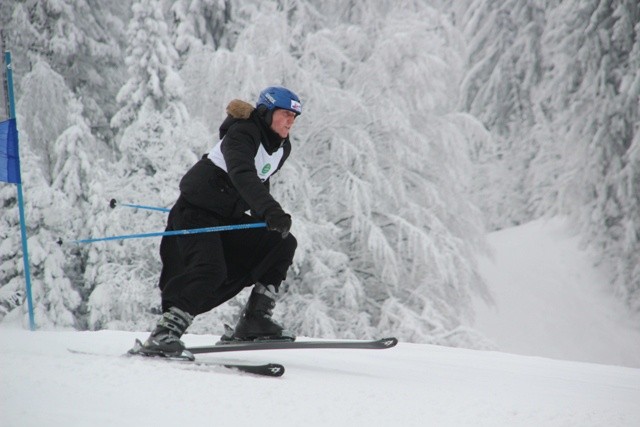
[(222, 347), (267, 369)]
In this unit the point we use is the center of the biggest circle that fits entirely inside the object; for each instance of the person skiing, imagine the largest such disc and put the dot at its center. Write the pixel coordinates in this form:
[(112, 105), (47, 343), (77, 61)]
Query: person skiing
[(202, 271)]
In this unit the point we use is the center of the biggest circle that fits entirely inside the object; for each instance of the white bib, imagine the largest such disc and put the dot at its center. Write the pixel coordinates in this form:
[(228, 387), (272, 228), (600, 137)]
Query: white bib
[(266, 164)]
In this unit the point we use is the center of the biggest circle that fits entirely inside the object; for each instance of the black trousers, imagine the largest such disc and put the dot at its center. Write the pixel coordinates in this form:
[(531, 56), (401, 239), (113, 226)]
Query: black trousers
[(201, 271)]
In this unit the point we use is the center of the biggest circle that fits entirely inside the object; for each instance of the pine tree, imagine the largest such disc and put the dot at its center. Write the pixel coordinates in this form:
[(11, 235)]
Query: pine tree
[(52, 170), (505, 67), (80, 40), (151, 137), (402, 178), (595, 83), (573, 133), (201, 23)]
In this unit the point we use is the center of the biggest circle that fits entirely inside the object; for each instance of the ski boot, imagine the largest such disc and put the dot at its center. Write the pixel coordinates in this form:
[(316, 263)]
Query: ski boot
[(255, 322), (165, 339)]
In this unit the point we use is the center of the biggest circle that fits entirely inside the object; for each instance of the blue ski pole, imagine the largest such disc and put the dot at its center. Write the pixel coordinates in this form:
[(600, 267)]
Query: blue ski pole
[(113, 203), (172, 233)]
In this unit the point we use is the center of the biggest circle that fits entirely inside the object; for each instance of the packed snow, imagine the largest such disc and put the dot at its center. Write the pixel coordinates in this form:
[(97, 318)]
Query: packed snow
[(550, 300), (42, 383), (410, 385)]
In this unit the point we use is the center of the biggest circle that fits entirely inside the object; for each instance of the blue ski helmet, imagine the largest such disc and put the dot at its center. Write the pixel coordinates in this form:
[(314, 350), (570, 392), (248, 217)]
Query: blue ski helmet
[(279, 97)]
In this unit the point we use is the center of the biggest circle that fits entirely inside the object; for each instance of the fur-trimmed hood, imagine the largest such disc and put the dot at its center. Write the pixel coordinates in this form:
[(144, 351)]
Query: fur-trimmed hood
[(239, 109)]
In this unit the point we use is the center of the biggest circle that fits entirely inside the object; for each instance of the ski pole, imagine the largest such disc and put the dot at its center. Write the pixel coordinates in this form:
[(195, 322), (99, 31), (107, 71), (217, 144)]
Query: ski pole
[(172, 233), (113, 203)]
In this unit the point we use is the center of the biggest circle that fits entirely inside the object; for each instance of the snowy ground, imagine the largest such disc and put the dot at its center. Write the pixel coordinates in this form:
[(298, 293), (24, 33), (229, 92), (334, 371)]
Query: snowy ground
[(410, 385), (549, 301)]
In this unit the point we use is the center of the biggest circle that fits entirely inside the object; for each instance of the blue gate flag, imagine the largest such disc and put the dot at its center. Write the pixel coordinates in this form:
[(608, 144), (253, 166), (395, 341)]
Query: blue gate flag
[(9, 155)]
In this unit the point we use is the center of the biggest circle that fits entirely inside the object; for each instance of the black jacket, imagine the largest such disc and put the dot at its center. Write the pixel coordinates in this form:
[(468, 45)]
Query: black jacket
[(229, 194)]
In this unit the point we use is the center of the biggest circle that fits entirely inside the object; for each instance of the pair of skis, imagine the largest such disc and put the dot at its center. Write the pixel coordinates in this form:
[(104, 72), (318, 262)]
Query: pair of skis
[(269, 369)]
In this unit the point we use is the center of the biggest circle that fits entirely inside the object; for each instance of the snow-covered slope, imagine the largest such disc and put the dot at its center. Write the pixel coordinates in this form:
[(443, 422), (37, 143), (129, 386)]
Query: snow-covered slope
[(551, 301), (42, 384)]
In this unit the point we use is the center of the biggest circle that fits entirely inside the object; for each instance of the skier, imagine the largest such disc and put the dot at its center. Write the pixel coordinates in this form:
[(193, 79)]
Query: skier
[(202, 271)]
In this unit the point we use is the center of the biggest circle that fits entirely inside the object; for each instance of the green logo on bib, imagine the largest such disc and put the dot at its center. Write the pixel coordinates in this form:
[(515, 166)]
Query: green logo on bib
[(266, 169)]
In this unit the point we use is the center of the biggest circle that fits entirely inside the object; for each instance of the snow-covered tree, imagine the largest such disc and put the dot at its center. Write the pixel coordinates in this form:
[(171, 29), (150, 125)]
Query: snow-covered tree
[(595, 80), (55, 183), (152, 138), (556, 82), (63, 80), (85, 51), (505, 65), (396, 177), (201, 23), (376, 181)]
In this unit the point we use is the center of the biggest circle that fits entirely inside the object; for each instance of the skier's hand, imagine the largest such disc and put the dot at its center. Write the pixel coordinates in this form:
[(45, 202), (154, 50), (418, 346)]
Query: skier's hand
[(278, 220)]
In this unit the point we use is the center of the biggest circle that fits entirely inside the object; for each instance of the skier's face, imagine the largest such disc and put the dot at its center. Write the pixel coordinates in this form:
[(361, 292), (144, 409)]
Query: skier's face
[(282, 122)]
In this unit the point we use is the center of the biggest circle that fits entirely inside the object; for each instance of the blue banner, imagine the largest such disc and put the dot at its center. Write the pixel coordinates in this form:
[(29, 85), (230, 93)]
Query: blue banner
[(9, 155)]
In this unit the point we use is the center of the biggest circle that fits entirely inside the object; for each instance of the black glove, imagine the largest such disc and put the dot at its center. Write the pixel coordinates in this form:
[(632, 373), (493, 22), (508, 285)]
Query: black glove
[(278, 220)]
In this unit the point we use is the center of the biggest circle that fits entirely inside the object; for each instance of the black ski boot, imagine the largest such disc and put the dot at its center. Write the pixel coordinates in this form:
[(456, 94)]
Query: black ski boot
[(165, 338), (255, 322)]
